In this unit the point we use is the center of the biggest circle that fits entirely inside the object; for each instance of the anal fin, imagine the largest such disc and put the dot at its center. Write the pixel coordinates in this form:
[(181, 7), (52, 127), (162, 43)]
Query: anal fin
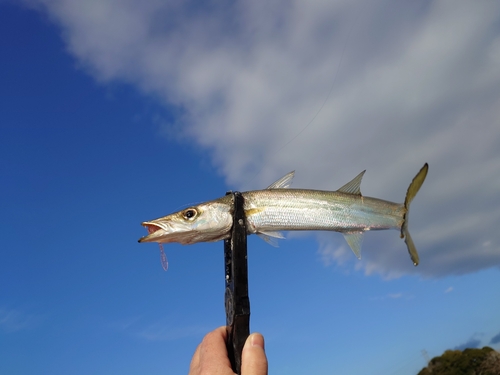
[(354, 240)]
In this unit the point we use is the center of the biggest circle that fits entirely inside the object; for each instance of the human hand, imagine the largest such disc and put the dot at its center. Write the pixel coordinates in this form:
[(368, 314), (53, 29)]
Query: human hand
[(210, 358)]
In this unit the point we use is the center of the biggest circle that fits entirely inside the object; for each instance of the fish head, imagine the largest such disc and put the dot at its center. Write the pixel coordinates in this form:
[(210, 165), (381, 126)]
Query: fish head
[(207, 222)]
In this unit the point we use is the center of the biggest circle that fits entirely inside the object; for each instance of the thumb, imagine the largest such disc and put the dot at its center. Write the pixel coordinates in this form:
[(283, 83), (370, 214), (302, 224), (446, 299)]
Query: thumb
[(253, 357)]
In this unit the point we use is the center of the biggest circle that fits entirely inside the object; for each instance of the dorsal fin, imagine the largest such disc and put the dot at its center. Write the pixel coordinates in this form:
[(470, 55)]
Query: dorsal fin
[(283, 182), (353, 186)]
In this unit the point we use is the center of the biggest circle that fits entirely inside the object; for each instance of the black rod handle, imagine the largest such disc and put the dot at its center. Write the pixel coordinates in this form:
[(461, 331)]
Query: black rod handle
[(236, 298)]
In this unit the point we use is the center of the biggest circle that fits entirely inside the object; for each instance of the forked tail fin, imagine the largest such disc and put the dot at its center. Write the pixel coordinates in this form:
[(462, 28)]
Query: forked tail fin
[(415, 185)]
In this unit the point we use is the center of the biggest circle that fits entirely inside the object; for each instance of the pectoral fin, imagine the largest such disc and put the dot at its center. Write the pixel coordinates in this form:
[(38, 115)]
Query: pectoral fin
[(355, 240)]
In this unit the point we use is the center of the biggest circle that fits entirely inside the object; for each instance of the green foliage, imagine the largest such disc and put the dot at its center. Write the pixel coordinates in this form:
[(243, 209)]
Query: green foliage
[(485, 361)]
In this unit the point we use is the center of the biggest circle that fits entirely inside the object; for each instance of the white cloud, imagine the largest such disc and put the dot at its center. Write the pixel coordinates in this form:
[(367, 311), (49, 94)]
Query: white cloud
[(419, 82), (394, 296), (164, 329), (14, 320)]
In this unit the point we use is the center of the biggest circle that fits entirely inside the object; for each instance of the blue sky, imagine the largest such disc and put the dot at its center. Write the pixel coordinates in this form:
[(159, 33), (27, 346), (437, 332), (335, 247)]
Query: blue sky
[(112, 113)]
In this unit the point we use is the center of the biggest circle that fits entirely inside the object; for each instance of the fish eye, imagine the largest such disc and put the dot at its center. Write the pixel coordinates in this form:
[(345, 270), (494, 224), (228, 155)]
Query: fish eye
[(190, 213)]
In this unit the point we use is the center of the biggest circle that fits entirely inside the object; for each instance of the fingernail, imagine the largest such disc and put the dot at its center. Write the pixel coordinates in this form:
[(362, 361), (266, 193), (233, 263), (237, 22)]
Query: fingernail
[(256, 339)]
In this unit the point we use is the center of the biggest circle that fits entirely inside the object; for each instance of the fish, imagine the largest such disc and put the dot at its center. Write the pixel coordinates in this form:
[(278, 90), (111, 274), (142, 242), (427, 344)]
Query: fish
[(278, 208)]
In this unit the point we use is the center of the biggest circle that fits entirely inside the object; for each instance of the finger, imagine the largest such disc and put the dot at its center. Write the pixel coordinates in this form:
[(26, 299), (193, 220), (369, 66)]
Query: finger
[(195, 362), (253, 358), (213, 357)]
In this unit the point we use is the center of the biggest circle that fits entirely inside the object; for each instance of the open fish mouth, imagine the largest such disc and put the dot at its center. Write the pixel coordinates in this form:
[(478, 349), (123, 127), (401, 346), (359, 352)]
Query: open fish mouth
[(155, 232), (151, 228)]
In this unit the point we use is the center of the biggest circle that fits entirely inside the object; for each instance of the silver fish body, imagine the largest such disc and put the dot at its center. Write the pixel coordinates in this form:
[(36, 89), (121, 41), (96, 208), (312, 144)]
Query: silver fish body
[(300, 209), (279, 208)]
